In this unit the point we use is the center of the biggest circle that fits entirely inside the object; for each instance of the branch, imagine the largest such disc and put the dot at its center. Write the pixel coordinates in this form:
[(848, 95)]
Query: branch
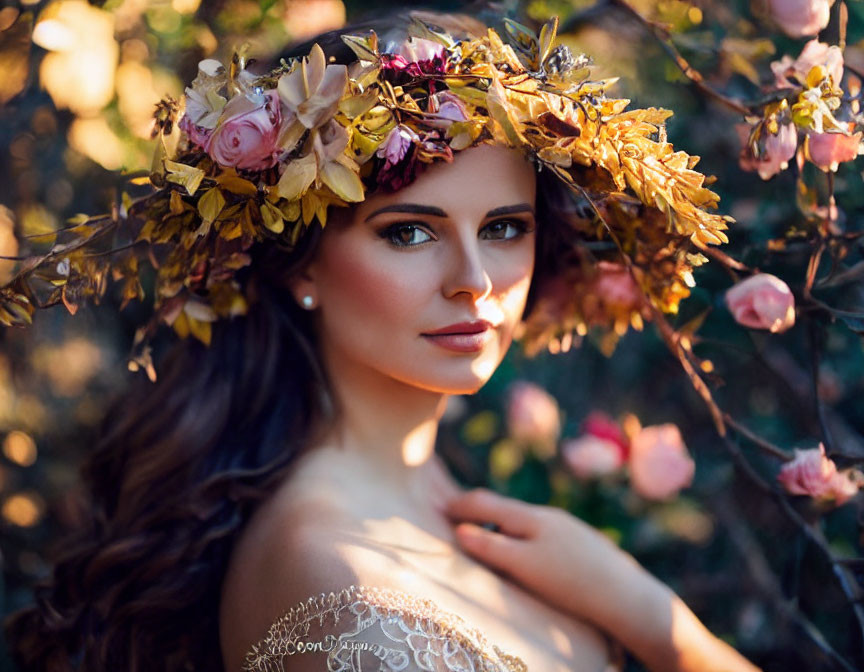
[(663, 37)]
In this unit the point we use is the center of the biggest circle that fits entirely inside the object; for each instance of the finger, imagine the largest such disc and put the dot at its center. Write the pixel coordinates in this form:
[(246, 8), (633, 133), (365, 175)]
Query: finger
[(494, 550), (481, 505)]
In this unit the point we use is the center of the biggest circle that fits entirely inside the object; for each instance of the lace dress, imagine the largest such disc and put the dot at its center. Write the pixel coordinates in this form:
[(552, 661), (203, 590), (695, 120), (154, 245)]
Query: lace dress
[(376, 629)]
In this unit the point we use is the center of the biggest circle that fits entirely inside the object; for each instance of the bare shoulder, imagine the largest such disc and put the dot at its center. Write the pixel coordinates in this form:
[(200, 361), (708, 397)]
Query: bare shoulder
[(301, 542)]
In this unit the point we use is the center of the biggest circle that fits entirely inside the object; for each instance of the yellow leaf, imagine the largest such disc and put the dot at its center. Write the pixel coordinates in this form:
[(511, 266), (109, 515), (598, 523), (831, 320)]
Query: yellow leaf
[(200, 330), (236, 184), (297, 178), (211, 204), (272, 217), (344, 182), (186, 176)]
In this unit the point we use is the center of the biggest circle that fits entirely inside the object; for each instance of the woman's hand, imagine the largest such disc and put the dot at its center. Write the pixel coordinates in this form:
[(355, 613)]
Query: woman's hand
[(572, 566)]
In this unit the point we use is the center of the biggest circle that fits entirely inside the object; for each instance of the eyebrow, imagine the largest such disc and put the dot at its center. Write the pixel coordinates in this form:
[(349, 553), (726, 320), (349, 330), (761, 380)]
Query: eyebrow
[(418, 209)]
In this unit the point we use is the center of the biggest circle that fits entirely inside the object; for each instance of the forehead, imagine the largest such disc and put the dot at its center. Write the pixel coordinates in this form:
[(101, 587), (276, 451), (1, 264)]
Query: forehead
[(479, 179)]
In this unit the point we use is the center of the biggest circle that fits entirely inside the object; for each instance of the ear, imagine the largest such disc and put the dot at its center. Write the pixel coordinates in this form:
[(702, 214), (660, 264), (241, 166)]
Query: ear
[(302, 284)]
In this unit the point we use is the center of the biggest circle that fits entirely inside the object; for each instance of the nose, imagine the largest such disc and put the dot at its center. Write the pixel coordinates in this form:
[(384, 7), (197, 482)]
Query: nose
[(467, 273)]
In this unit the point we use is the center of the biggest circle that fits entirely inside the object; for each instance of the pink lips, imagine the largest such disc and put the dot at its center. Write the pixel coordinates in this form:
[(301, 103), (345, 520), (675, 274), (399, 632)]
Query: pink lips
[(463, 336)]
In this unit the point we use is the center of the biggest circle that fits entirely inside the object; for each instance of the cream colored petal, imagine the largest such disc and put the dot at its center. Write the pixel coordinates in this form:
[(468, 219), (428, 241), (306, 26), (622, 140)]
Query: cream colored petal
[(344, 182), (298, 177)]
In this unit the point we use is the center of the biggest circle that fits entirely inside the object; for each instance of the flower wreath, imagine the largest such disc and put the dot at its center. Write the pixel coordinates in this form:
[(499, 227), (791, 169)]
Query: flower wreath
[(262, 158)]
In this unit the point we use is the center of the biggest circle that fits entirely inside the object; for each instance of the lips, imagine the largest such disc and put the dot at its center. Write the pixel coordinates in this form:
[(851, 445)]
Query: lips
[(463, 336), (474, 327)]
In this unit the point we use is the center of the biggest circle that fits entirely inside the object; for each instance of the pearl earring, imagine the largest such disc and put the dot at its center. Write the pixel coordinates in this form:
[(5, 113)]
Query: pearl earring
[(308, 301)]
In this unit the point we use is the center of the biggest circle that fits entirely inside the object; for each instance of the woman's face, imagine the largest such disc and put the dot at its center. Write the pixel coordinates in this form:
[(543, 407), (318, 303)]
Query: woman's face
[(454, 247)]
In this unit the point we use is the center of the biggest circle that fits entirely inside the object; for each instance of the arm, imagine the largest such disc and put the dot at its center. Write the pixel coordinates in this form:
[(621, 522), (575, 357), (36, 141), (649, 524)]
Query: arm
[(579, 570)]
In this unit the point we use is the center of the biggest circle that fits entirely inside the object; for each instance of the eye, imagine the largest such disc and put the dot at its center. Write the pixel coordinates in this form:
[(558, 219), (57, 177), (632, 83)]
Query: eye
[(505, 229), (406, 235)]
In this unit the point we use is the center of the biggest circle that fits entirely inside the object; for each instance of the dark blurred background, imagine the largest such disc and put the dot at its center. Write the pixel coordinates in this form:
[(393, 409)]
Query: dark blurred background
[(78, 85)]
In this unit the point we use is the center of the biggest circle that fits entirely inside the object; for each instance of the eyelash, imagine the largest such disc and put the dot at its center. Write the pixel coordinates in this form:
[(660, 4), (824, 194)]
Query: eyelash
[(389, 233)]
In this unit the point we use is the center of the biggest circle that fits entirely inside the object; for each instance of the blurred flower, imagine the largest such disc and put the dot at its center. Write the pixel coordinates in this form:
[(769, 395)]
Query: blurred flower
[(611, 296), (590, 456), (79, 71), (798, 18), (812, 473), (305, 18), (778, 149), (829, 150), (247, 135), (660, 465), (533, 416), (603, 426), (814, 53), (762, 301)]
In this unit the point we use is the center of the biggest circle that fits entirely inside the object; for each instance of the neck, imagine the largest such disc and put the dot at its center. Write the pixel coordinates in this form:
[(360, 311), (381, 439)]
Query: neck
[(389, 424)]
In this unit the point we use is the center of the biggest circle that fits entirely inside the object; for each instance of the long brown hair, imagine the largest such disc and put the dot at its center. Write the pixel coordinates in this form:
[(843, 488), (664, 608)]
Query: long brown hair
[(181, 465)]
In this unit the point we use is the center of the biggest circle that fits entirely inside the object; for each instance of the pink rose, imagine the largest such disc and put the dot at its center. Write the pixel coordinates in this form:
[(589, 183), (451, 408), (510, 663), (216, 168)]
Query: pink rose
[(812, 473), (660, 465), (798, 18), (532, 414), (590, 456), (829, 150), (814, 53), (196, 134), (762, 301), (247, 135), (779, 149)]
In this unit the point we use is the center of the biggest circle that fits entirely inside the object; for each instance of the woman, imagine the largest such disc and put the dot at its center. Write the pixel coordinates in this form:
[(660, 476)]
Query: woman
[(289, 464)]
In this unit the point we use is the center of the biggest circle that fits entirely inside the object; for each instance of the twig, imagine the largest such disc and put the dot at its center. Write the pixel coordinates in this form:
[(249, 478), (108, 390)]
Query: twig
[(741, 537), (758, 441), (663, 37)]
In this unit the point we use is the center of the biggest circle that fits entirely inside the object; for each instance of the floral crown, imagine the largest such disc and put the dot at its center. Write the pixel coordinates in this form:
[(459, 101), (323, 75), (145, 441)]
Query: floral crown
[(262, 158)]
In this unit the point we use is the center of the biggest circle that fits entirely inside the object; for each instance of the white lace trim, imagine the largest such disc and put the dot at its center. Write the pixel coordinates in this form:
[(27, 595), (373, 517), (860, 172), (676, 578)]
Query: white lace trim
[(392, 629)]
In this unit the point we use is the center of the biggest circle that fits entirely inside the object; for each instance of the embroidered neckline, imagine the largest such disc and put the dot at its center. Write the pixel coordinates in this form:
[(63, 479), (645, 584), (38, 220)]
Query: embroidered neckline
[(415, 615)]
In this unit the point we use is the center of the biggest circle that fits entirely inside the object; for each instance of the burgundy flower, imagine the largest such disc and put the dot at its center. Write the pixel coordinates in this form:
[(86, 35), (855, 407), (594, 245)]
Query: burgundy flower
[(415, 57)]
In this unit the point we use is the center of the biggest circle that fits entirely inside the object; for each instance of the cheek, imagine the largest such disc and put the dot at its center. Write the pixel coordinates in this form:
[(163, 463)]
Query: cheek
[(368, 289)]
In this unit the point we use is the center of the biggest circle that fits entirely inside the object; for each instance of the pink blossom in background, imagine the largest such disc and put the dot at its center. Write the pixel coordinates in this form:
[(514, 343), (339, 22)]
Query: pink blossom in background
[(660, 465), (798, 18), (590, 456), (762, 301), (812, 473), (779, 150), (814, 53), (603, 426), (829, 150), (247, 136), (532, 414)]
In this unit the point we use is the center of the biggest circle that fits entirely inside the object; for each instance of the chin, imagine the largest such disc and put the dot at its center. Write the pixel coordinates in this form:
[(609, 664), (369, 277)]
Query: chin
[(455, 375)]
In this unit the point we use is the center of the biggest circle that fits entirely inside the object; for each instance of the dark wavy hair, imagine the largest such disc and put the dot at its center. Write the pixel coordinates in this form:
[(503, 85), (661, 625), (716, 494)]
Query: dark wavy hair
[(181, 465)]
